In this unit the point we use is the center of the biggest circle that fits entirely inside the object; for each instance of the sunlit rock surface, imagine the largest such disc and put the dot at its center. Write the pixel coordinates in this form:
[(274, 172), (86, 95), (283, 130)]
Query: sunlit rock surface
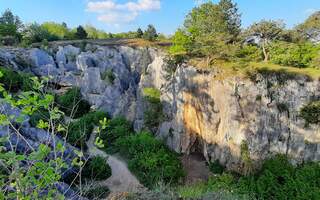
[(204, 111)]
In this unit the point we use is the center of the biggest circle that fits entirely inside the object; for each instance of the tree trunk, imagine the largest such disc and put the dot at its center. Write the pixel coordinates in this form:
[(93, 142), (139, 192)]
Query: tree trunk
[(265, 53)]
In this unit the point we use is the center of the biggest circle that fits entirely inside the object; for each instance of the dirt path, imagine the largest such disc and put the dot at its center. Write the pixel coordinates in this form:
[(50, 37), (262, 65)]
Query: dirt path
[(121, 180)]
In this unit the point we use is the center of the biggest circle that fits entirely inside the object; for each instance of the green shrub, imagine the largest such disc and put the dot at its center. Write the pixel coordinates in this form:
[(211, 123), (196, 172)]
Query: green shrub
[(311, 113), (96, 169), (39, 115), (14, 81), (96, 192), (150, 159), (293, 54), (216, 168), (72, 104), (152, 95), (10, 79), (108, 76), (153, 115), (277, 179), (117, 127), (79, 131), (249, 53)]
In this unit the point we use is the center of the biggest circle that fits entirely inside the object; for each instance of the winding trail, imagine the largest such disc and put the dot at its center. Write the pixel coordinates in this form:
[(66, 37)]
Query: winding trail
[(121, 180)]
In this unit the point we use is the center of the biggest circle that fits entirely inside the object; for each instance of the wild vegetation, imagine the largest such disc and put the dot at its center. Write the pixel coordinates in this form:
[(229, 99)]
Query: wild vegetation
[(211, 34), (14, 32), (277, 179)]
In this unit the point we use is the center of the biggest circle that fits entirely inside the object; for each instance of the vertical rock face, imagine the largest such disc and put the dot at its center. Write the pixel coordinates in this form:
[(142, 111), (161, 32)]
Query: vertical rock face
[(218, 115), (204, 111)]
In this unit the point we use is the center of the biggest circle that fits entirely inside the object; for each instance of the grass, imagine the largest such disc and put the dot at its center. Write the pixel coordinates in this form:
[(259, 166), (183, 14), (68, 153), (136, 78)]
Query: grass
[(230, 69)]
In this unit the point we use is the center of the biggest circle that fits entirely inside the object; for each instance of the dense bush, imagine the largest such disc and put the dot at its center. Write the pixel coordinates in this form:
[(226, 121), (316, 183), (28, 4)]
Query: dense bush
[(293, 54), (153, 115), (14, 81), (96, 169), (79, 131), (41, 114), (278, 180), (216, 168), (249, 53), (150, 159), (311, 113), (36, 33), (59, 31), (72, 104), (117, 127)]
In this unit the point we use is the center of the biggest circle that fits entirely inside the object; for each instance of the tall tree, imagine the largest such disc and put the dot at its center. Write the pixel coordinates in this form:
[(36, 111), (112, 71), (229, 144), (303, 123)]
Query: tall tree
[(10, 25), (139, 33), (231, 16), (267, 31), (81, 33), (212, 27), (151, 33)]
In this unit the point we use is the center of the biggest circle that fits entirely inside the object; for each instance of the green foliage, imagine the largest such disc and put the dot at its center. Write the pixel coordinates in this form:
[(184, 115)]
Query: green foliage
[(40, 114), (72, 104), (152, 95), (32, 174), (245, 157), (249, 53), (97, 192), (139, 33), (311, 113), (150, 159), (96, 169), (108, 76), (181, 43), (14, 81), (81, 33), (36, 33), (293, 54), (94, 33), (151, 33), (57, 30), (39, 173), (154, 114), (277, 179), (211, 27), (116, 128), (79, 131), (9, 28), (216, 168)]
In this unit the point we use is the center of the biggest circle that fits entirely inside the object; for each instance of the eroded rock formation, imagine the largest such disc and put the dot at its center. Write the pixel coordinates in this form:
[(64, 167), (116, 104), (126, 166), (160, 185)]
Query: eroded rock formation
[(203, 110)]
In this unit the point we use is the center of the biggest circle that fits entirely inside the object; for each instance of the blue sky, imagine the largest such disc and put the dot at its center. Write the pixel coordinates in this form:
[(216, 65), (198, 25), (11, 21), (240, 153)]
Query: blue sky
[(166, 15)]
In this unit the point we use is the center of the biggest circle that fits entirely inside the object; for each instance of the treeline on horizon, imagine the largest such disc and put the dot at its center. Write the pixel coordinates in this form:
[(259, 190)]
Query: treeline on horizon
[(14, 32), (211, 30)]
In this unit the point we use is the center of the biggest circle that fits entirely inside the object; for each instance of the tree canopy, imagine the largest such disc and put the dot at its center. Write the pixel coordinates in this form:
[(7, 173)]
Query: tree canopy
[(267, 31)]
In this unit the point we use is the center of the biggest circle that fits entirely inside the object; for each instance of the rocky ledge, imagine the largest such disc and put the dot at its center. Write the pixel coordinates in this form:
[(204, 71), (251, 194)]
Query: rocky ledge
[(224, 119)]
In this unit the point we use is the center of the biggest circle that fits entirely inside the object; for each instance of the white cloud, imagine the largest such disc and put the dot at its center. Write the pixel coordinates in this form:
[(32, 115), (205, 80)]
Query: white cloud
[(116, 18), (113, 13)]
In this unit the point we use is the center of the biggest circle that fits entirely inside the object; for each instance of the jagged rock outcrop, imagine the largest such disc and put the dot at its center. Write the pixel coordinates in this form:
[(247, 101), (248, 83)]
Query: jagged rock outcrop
[(204, 110)]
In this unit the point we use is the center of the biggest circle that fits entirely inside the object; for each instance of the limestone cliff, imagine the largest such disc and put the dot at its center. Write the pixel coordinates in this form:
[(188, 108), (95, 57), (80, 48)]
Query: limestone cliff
[(215, 116)]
